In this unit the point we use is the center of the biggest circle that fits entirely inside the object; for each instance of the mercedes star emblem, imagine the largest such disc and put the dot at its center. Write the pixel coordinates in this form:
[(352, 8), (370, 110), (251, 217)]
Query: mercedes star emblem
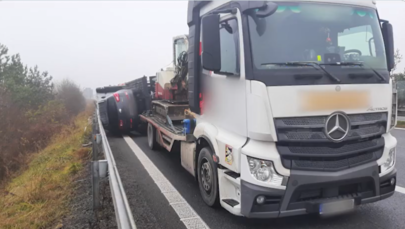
[(337, 126)]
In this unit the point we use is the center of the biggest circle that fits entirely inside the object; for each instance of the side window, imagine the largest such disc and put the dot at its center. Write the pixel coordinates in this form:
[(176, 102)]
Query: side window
[(179, 47), (229, 36), (358, 38)]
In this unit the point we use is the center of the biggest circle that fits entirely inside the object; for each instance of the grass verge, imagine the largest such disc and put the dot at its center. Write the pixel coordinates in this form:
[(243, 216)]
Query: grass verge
[(400, 124), (38, 196)]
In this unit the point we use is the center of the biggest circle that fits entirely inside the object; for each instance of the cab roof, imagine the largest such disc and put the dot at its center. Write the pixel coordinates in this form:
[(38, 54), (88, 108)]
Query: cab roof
[(194, 6)]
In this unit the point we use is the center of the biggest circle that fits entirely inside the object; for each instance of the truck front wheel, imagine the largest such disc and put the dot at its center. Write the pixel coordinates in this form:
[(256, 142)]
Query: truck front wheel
[(151, 132), (208, 178)]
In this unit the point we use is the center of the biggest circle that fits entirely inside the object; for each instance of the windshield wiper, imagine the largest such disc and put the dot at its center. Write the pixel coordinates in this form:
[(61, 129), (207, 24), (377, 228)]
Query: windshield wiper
[(345, 64), (313, 64), (357, 64), (378, 74)]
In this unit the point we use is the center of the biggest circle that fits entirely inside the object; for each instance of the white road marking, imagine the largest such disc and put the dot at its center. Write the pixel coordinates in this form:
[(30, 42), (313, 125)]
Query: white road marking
[(185, 212), (400, 189)]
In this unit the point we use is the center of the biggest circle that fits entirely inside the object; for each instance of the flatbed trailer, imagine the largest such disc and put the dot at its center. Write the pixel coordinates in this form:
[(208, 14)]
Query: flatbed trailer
[(165, 134), (172, 136)]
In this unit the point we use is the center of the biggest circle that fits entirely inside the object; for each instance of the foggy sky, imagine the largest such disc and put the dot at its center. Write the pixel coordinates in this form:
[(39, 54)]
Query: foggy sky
[(107, 43)]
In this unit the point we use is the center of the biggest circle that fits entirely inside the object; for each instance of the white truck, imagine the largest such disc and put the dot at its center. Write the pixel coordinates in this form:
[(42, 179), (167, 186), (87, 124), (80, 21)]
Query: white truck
[(290, 106)]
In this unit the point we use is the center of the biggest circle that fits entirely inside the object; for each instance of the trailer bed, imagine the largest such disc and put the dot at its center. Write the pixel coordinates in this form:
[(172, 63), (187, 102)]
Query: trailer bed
[(166, 135)]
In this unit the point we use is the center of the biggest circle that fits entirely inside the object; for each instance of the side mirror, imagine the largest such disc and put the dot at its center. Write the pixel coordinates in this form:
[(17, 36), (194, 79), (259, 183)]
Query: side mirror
[(260, 24), (268, 9), (258, 15), (388, 36), (211, 43)]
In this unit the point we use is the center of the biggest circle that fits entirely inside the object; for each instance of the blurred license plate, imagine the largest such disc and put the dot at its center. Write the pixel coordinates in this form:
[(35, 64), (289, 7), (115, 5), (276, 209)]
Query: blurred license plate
[(336, 207)]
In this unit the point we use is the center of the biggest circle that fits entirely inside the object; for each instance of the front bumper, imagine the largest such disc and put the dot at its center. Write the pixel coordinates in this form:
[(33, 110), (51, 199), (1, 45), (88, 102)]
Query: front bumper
[(306, 190)]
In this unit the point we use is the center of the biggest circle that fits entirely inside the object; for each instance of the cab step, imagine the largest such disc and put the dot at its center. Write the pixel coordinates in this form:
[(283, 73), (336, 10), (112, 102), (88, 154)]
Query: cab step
[(232, 174), (231, 202)]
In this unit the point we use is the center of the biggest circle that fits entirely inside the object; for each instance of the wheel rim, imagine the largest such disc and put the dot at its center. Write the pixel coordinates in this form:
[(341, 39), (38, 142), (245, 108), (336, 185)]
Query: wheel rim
[(206, 176), (150, 135)]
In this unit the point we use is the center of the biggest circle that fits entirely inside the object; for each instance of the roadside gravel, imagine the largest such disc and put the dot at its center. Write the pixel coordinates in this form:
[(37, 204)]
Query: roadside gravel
[(81, 213)]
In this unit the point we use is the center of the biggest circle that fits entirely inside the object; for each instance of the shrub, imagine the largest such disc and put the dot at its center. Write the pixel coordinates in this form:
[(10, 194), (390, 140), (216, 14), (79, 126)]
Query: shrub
[(30, 111), (71, 96), (24, 132)]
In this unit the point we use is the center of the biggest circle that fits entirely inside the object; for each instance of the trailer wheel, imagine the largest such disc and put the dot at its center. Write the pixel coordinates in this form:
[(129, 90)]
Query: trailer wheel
[(151, 132), (207, 178)]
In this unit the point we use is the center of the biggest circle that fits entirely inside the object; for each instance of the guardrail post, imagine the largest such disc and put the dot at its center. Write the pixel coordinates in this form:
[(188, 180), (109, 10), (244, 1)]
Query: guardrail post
[(98, 139), (103, 168), (107, 168), (96, 185), (95, 167), (95, 139)]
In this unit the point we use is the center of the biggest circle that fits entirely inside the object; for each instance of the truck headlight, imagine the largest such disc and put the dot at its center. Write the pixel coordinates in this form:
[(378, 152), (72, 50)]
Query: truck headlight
[(389, 163), (264, 171)]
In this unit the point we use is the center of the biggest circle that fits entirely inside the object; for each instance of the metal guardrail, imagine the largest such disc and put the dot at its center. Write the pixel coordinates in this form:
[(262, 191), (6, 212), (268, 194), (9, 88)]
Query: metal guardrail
[(401, 112), (100, 168)]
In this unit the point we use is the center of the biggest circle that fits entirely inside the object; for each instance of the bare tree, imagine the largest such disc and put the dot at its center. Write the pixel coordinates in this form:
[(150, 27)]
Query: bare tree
[(397, 59)]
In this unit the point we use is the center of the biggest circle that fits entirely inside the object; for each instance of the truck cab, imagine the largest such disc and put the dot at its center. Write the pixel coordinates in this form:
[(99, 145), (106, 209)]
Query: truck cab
[(294, 104)]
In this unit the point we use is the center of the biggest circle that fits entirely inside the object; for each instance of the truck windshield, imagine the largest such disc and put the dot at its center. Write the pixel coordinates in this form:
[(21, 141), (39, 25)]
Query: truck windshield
[(323, 33)]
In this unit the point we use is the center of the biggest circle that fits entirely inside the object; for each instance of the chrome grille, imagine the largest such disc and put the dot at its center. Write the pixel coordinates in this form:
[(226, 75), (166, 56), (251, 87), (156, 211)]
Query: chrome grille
[(303, 145), (322, 149), (304, 121), (335, 164), (320, 120), (311, 129)]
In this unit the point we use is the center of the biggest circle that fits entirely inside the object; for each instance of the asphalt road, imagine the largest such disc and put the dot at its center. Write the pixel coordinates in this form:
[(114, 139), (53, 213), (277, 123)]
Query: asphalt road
[(151, 208)]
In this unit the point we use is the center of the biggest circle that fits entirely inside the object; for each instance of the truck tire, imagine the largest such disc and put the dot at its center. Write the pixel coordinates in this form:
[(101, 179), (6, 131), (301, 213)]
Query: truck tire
[(112, 114), (208, 178), (151, 132)]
